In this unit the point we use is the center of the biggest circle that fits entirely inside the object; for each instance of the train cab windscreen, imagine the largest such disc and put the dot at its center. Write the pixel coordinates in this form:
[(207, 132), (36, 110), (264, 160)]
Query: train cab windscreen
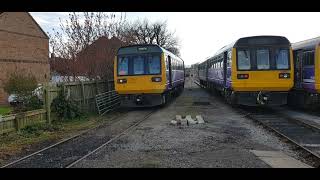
[(142, 64), (263, 59)]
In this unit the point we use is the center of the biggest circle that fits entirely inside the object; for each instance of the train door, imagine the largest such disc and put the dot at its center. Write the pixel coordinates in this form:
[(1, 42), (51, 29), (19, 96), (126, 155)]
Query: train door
[(225, 58), (170, 72), (298, 69)]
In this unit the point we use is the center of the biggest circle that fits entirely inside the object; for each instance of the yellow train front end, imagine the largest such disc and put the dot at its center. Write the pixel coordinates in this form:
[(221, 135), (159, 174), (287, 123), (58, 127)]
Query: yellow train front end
[(263, 80), (140, 84), (143, 88), (262, 74)]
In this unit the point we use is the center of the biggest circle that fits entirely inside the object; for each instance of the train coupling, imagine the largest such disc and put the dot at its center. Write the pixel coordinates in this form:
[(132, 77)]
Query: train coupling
[(262, 98), (139, 99)]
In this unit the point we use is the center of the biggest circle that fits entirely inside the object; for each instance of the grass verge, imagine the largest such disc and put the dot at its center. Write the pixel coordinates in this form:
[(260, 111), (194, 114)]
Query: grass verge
[(5, 110)]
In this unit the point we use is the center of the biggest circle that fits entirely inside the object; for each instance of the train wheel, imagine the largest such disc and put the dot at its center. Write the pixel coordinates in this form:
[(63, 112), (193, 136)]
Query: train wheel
[(164, 99), (228, 96), (181, 88)]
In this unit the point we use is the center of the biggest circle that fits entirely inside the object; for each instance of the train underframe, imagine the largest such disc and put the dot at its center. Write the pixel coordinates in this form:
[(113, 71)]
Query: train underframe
[(302, 99), (248, 98), (148, 99)]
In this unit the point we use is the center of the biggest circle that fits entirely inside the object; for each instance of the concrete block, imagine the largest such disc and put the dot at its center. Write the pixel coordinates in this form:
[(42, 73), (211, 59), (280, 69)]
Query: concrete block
[(190, 120), (184, 122), (173, 122), (199, 119), (178, 117)]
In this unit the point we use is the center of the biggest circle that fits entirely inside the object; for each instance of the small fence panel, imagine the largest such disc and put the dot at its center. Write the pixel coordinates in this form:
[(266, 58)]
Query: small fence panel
[(15, 122), (107, 101)]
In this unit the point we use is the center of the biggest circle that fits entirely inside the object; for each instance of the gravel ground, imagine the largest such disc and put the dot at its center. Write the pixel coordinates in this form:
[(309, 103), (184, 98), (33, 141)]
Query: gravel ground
[(223, 141), (70, 151)]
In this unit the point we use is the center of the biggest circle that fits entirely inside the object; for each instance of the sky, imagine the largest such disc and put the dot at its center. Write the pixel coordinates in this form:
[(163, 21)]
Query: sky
[(201, 34)]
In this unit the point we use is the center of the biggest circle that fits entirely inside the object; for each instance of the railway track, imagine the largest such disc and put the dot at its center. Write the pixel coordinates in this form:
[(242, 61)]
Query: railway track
[(305, 136), (71, 151)]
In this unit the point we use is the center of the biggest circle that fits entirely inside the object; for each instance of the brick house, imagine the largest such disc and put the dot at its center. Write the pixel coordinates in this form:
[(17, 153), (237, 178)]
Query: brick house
[(95, 61), (24, 48)]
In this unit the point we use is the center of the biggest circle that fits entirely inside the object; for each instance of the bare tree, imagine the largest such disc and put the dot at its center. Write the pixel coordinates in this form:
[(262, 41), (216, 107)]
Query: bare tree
[(145, 32), (77, 32)]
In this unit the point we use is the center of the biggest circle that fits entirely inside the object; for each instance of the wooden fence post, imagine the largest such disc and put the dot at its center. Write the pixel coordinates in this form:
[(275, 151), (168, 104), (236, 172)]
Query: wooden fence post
[(17, 122), (48, 108), (97, 87), (83, 95)]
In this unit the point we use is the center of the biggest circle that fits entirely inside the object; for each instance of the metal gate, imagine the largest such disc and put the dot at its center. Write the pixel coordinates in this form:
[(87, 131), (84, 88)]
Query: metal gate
[(107, 101)]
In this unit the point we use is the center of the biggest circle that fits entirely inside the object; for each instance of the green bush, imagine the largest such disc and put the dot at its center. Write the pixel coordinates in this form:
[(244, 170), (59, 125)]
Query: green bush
[(65, 108), (32, 103), (22, 86)]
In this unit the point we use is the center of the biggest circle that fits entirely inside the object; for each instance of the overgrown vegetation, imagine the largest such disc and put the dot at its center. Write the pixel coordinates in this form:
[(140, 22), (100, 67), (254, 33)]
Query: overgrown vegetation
[(5, 110), (22, 88), (65, 108), (39, 129)]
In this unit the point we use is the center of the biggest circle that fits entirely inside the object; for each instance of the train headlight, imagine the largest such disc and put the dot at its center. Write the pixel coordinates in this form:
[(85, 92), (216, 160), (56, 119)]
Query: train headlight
[(122, 81), (243, 76), (284, 75), (156, 79)]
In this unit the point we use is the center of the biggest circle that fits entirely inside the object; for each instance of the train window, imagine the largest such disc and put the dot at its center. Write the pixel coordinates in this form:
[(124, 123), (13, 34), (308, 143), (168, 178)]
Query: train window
[(167, 63), (282, 58), (312, 58), (123, 66), (308, 58), (154, 64), (263, 60), (138, 65), (244, 60)]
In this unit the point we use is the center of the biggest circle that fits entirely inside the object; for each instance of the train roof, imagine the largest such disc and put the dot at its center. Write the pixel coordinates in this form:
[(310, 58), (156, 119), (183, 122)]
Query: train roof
[(252, 40), (131, 49), (306, 44), (262, 40)]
